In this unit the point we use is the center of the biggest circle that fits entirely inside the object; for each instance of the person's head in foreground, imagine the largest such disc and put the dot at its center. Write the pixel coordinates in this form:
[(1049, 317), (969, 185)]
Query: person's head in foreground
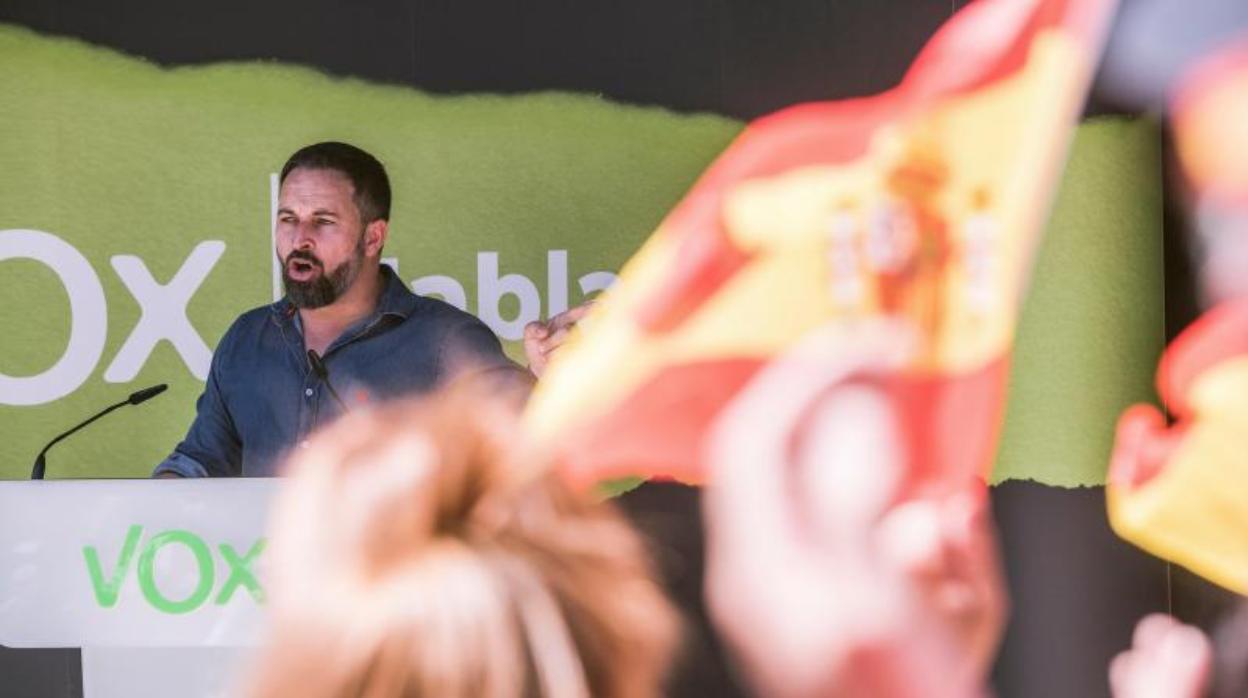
[(414, 553)]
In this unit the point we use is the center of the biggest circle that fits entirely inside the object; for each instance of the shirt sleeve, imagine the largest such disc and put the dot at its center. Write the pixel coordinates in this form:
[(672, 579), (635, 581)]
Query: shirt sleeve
[(470, 346), (212, 447)]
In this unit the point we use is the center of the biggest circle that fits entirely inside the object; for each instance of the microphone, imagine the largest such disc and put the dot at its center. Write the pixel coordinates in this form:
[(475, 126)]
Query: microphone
[(322, 372), (36, 473), (146, 394)]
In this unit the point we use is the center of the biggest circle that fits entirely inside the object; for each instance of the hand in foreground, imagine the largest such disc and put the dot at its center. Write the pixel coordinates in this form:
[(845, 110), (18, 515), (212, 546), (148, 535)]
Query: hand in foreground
[(542, 339), (818, 579), (1167, 659)]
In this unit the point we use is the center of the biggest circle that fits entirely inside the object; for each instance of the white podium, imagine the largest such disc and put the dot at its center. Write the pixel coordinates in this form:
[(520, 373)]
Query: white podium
[(160, 582)]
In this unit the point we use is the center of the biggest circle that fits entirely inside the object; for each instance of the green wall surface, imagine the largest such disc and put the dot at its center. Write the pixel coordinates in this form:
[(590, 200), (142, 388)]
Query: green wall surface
[(1092, 325)]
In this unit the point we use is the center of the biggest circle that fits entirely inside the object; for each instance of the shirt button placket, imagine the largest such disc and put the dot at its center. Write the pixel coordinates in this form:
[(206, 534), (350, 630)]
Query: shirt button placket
[(307, 415)]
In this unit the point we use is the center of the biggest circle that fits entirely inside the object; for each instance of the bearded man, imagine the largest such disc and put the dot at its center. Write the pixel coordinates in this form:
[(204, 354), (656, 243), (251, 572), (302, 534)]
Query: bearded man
[(347, 333)]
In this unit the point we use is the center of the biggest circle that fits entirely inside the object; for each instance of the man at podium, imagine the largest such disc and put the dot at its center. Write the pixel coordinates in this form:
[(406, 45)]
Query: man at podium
[(347, 333)]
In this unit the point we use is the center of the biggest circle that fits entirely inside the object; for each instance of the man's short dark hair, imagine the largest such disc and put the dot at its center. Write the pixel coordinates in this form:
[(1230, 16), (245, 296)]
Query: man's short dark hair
[(368, 177)]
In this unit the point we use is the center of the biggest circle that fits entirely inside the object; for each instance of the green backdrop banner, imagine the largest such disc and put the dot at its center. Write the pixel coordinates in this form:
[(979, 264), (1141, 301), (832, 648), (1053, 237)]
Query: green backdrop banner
[(1093, 323), (135, 225)]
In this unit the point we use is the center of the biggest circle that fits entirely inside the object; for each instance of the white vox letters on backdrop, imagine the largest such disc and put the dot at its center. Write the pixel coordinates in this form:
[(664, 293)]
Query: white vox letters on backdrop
[(163, 315)]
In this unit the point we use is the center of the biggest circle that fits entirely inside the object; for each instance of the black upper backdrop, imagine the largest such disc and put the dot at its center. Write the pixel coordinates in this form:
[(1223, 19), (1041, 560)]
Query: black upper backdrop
[(740, 58), (1076, 589)]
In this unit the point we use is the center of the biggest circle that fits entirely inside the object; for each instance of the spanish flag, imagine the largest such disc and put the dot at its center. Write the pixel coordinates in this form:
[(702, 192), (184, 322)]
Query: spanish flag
[(1180, 490), (922, 204)]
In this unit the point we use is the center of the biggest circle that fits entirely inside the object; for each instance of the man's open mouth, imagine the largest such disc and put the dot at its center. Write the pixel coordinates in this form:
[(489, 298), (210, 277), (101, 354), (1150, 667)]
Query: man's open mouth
[(301, 269)]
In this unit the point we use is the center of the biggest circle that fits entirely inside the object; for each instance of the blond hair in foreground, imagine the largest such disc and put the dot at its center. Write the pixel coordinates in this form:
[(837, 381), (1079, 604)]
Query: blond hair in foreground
[(414, 553)]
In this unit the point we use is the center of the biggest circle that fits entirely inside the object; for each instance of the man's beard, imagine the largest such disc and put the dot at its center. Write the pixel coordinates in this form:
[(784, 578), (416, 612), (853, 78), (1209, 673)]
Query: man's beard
[(327, 287)]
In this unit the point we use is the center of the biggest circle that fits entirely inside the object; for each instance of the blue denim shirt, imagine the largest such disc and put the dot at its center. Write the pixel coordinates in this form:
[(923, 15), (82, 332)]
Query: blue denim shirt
[(262, 397)]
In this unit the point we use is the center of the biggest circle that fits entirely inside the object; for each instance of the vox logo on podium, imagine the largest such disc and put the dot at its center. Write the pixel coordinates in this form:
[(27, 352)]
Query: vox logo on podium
[(237, 571)]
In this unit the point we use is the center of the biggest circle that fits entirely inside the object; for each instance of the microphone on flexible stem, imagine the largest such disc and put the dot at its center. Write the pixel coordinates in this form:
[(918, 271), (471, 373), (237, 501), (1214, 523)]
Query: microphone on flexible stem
[(319, 368), (36, 473)]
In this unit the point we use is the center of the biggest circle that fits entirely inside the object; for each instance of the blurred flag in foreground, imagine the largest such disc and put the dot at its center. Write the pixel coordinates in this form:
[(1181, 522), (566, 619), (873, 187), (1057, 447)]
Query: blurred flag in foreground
[(1181, 491), (923, 203)]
